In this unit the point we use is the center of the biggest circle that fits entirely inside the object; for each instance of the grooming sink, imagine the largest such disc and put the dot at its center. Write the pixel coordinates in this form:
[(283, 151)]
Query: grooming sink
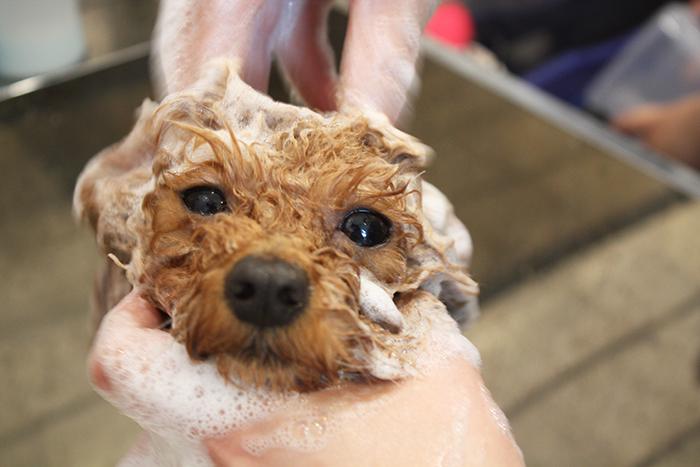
[(559, 209)]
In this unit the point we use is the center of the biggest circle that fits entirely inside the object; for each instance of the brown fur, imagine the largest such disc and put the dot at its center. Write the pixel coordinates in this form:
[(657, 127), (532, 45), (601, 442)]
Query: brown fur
[(286, 198)]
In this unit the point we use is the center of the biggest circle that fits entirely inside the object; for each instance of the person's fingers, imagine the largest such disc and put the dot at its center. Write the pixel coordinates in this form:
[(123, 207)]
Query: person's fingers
[(695, 5), (637, 121), (378, 69), (133, 322), (670, 129), (149, 377), (135, 312), (188, 34), (306, 55), (444, 418)]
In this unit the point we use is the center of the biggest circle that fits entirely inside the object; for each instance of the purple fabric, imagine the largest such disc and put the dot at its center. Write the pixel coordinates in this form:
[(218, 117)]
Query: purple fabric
[(567, 75)]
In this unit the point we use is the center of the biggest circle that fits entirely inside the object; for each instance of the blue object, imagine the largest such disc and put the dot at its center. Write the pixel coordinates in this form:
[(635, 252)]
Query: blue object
[(567, 75)]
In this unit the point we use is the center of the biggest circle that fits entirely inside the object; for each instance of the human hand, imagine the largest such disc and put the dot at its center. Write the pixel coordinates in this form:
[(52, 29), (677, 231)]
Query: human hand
[(444, 417), (695, 5), (671, 129), (378, 68)]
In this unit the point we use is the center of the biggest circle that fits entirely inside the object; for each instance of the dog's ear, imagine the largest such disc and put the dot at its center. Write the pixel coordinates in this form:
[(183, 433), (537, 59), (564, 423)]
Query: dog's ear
[(446, 252), (107, 192), (447, 237), (398, 147)]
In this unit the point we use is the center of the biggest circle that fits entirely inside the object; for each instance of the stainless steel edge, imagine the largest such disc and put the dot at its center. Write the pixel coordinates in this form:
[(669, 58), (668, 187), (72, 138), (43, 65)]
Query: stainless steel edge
[(532, 99), (567, 118), (35, 83)]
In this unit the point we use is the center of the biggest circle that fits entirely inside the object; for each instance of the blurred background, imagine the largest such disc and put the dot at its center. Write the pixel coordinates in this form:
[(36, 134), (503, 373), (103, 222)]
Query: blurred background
[(583, 210)]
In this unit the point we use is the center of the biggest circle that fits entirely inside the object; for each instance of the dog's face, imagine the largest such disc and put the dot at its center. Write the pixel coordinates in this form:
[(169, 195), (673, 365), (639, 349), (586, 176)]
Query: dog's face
[(258, 250), (261, 247)]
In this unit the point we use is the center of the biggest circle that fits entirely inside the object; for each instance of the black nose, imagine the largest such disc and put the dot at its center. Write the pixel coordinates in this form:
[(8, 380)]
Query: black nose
[(266, 291)]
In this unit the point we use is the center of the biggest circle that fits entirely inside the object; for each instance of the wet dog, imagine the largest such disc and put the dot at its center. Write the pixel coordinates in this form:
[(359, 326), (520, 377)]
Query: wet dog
[(284, 244)]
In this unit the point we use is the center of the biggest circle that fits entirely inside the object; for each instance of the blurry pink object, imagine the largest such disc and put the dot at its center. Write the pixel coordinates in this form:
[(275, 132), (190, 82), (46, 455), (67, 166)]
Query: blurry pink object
[(452, 24)]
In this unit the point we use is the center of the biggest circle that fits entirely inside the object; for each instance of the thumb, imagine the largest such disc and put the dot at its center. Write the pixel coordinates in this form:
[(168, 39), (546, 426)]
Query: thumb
[(132, 323), (378, 69)]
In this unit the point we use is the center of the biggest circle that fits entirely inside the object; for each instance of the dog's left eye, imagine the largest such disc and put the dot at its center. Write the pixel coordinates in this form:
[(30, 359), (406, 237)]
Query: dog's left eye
[(366, 227), (204, 200)]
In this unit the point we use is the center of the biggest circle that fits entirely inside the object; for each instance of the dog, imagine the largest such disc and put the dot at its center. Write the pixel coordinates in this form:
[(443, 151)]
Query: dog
[(285, 245)]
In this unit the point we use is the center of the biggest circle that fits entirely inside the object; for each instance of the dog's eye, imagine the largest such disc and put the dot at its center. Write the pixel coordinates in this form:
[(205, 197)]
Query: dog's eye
[(366, 227), (204, 200)]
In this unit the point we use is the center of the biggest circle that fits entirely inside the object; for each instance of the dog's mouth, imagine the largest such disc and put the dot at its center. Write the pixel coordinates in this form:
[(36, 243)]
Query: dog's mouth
[(259, 352), (262, 355)]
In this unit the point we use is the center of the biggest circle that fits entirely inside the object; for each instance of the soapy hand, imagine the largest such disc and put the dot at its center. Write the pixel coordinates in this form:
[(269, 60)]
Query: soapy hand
[(444, 417), (378, 68)]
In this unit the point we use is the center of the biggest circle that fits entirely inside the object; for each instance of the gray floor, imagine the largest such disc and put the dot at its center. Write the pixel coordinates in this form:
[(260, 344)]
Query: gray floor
[(596, 360)]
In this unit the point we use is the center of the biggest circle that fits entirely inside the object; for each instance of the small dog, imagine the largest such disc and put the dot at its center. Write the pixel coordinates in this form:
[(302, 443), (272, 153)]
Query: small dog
[(283, 243)]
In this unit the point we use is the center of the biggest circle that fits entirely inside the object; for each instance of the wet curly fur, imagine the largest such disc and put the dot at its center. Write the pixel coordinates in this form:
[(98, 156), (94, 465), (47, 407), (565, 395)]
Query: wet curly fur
[(287, 190)]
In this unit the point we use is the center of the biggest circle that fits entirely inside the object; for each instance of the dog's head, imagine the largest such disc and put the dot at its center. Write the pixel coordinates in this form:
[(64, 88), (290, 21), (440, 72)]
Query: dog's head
[(283, 243)]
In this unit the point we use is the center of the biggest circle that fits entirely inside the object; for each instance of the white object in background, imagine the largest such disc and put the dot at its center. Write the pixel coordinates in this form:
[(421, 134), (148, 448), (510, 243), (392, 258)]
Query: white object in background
[(37, 36), (660, 64)]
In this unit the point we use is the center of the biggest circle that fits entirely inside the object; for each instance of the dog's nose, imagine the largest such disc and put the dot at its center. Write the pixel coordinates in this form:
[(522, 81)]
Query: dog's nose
[(266, 291)]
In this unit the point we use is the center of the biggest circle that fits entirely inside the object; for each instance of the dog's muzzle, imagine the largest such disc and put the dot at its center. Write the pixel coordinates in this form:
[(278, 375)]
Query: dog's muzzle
[(266, 291)]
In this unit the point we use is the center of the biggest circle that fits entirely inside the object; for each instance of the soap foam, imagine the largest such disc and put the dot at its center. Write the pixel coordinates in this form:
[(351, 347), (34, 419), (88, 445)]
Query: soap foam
[(310, 429), (303, 434), (376, 304), (437, 341), (181, 403)]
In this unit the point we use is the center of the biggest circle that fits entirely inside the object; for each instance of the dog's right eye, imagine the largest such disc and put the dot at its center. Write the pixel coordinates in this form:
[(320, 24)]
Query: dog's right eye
[(204, 200)]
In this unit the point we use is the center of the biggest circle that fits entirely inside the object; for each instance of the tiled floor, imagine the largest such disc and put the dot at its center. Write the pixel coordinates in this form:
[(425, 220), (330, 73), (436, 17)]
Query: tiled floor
[(596, 360)]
